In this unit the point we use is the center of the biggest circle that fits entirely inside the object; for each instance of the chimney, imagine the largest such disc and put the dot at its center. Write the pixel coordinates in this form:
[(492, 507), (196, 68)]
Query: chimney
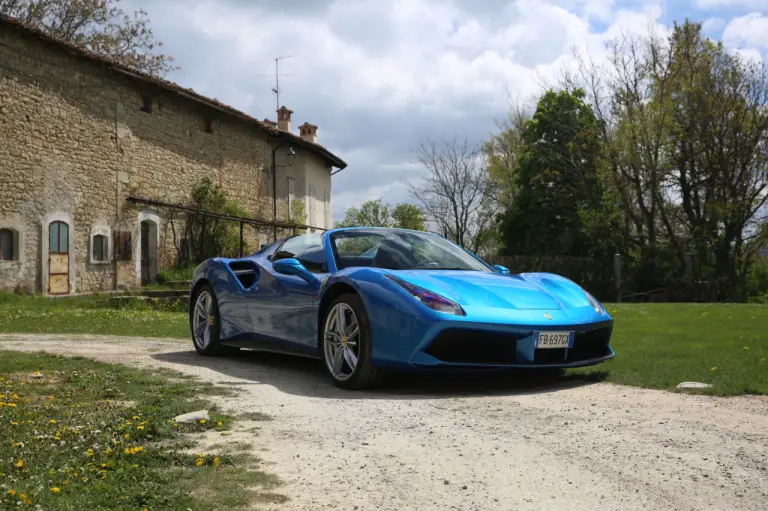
[(271, 124), (284, 118), (308, 132)]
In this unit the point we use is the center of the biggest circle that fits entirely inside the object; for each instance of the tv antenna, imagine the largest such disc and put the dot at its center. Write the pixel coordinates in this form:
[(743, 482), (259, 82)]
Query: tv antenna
[(277, 75)]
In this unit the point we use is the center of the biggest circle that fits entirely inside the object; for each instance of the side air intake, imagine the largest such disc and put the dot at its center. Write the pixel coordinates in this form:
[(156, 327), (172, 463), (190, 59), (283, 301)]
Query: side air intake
[(245, 271)]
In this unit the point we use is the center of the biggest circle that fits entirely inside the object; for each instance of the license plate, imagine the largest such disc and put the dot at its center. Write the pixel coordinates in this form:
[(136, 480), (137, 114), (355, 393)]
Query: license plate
[(545, 340)]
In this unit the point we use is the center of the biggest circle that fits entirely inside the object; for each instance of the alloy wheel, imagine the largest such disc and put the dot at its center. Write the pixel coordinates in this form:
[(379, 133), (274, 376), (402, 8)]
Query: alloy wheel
[(341, 337), (202, 323)]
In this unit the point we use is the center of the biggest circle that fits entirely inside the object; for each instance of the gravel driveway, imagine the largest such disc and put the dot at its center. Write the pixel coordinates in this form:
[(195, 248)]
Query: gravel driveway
[(471, 443)]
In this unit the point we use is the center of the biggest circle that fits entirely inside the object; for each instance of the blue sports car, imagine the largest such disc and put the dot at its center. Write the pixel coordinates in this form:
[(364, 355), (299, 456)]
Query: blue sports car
[(368, 300)]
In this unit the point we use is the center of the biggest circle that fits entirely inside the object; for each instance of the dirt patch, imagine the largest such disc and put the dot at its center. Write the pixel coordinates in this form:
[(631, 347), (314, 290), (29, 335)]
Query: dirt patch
[(470, 443)]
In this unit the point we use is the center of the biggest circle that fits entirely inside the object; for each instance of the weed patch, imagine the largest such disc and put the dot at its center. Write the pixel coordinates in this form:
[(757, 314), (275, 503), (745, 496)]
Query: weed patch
[(80, 434)]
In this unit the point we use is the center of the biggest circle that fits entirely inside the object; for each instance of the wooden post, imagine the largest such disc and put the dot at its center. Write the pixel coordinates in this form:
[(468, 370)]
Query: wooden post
[(241, 238), (617, 275), (203, 253)]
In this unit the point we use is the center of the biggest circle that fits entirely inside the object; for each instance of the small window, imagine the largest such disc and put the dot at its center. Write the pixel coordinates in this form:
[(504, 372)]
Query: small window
[(122, 243), (146, 104), (58, 238), (99, 248), (7, 245), (207, 125)]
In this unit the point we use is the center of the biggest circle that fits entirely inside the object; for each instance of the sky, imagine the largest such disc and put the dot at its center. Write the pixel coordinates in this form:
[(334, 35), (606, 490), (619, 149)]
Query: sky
[(378, 77)]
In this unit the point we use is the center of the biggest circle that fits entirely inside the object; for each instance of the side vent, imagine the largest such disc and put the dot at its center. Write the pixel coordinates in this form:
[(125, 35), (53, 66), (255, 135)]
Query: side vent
[(245, 271)]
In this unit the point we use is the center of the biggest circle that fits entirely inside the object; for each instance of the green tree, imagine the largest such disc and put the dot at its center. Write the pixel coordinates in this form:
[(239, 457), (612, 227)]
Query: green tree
[(371, 213), (408, 216), (557, 182), (208, 236), (685, 126), (99, 26)]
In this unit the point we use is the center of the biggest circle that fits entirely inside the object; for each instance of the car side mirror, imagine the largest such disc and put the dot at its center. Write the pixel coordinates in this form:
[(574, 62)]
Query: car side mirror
[(292, 266), (501, 269)]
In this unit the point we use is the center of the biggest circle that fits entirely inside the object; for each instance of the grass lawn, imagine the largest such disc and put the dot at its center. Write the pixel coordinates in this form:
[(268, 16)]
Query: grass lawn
[(661, 345), (79, 434), (88, 315), (657, 345)]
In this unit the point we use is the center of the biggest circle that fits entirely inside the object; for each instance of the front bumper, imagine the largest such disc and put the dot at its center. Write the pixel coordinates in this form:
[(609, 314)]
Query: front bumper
[(512, 346)]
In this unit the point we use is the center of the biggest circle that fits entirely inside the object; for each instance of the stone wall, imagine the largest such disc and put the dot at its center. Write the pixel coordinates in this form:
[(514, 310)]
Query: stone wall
[(74, 141)]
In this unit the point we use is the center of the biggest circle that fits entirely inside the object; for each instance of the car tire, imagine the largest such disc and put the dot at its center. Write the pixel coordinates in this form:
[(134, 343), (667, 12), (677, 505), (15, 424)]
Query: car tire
[(211, 345), (364, 375)]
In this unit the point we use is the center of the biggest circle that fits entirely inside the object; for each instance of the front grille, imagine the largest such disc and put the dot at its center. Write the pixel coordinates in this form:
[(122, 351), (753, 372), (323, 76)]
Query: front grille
[(475, 347), (478, 347)]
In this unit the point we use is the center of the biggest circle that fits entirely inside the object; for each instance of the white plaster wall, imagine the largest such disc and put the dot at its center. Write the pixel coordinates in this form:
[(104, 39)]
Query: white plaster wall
[(318, 179)]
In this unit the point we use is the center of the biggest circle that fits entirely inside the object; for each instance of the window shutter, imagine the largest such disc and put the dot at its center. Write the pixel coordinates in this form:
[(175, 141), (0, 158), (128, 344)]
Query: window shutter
[(327, 209), (312, 207), (291, 197), (128, 246)]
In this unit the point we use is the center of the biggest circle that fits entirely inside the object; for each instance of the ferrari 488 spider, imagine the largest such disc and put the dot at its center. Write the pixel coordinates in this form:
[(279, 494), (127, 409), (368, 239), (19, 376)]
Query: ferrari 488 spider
[(368, 300)]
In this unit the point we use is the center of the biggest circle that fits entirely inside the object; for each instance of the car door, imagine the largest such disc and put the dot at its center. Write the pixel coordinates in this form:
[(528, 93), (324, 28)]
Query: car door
[(289, 307)]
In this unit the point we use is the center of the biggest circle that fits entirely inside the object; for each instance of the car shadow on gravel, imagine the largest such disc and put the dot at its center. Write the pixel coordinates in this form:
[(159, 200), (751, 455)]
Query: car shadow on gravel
[(307, 377)]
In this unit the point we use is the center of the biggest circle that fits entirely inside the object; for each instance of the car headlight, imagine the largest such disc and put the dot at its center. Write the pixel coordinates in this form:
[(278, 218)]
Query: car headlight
[(432, 300), (594, 303)]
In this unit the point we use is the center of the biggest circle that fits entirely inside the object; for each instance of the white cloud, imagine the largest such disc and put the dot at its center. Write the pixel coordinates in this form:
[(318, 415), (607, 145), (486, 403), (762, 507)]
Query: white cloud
[(380, 76), (750, 31), (732, 4), (713, 25)]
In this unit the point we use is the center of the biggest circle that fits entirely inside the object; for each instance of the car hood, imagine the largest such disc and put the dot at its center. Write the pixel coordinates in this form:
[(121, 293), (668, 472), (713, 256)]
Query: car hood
[(525, 291)]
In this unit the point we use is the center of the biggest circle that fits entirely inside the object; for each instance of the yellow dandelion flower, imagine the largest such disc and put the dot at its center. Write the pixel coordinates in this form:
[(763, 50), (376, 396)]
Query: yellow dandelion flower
[(11, 492), (37, 373), (12, 405), (89, 453), (216, 461), (219, 424), (135, 417), (199, 462), (140, 427), (126, 436), (714, 369), (20, 463), (51, 398), (55, 489), (745, 348), (14, 423), (52, 421), (203, 421)]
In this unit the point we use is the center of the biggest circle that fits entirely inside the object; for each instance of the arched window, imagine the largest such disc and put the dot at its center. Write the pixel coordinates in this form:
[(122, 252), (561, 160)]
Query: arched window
[(58, 240), (8, 248), (99, 248)]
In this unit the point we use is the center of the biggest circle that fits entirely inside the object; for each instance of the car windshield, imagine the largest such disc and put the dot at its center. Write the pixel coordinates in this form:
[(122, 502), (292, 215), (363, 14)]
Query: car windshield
[(400, 250)]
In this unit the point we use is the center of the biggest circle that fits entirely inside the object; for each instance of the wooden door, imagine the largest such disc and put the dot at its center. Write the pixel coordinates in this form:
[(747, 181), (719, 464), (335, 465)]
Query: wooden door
[(58, 258)]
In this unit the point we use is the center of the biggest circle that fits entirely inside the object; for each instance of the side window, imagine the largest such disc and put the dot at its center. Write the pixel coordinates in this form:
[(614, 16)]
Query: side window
[(308, 249)]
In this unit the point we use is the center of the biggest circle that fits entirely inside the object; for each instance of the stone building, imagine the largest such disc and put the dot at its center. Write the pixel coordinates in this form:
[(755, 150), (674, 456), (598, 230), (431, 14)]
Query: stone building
[(79, 135)]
